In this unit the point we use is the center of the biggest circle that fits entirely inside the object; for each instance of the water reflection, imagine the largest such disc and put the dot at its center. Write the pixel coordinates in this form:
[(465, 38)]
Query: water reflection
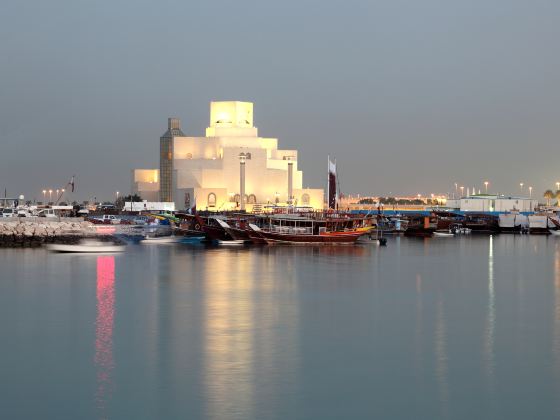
[(243, 335), (440, 346), (229, 341), (419, 332), (489, 338), (556, 339), (104, 330)]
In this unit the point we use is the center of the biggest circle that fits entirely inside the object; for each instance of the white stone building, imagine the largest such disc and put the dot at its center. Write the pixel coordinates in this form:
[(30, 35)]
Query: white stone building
[(495, 203), (209, 169)]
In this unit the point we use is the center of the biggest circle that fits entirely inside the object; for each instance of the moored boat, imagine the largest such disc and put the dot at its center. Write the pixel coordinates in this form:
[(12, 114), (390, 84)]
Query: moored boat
[(90, 246), (513, 222), (420, 225), (443, 234), (541, 223), (238, 233), (291, 236), (482, 223), (169, 239)]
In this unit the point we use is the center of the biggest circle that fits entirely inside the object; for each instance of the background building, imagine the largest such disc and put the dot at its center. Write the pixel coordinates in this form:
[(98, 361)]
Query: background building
[(210, 169), (484, 203)]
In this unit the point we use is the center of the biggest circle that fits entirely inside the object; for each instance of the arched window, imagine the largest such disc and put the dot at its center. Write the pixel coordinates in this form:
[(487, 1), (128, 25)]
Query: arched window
[(252, 199), (237, 198), (212, 200), (305, 199)]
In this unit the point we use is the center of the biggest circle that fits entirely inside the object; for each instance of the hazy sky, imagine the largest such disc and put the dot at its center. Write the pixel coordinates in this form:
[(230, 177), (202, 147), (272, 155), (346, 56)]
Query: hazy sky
[(409, 96)]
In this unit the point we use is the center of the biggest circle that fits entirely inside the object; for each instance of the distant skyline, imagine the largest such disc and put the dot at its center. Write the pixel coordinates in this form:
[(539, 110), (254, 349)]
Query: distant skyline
[(410, 97)]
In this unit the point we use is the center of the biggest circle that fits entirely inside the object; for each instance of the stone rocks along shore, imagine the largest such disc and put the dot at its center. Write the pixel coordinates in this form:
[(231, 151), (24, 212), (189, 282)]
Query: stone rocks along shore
[(34, 233)]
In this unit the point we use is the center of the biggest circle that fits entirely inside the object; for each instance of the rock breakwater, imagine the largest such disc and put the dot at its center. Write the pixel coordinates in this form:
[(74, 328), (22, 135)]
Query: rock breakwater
[(31, 233)]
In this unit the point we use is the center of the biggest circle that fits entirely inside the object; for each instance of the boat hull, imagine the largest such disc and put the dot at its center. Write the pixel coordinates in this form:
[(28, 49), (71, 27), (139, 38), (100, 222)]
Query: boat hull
[(322, 239), (85, 249), (216, 233), (513, 223), (162, 240), (443, 234), (540, 224)]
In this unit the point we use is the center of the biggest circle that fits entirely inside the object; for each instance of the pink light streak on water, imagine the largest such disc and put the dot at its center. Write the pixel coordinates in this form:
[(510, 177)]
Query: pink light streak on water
[(104, 328)]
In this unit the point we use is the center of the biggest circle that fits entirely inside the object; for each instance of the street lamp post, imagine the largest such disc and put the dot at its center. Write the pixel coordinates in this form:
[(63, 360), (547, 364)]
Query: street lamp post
[(557, 186), (486, 186), (462, 191), (521, 187), (456, 189), (117, 197), (44, 196), (50, 196), (530, 192)]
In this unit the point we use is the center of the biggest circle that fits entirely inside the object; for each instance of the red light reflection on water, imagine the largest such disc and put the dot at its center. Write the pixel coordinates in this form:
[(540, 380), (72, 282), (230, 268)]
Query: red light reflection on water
[(104, 327)]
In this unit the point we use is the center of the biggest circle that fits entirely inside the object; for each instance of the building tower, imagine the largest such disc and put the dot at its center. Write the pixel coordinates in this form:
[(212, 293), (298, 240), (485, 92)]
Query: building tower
[(166, 158)]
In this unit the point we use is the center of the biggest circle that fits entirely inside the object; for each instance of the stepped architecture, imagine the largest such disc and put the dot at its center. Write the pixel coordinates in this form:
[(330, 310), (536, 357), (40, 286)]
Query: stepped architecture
[(230, 168)]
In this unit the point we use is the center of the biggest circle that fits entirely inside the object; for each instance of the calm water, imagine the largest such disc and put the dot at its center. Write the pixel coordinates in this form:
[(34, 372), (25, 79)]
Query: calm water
[(423, 329)]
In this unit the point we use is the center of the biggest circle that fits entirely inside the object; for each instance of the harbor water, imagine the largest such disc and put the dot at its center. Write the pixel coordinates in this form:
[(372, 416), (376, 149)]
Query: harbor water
[(440, 328)]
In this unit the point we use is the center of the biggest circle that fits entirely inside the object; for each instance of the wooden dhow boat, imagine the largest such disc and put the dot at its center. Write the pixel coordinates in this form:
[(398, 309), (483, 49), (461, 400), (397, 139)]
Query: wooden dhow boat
[(421, 226), (321, 228), (482, 223), (308, 227), (291, 236)]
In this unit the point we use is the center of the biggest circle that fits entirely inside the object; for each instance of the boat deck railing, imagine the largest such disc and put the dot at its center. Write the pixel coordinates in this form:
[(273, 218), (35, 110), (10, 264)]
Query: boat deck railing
[(292, 230)]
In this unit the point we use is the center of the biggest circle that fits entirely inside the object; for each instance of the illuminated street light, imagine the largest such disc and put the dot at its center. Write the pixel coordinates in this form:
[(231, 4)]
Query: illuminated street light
[(50, 196), (521, 187), (44, 195), (530, 192), (462, 191), (486, 186)]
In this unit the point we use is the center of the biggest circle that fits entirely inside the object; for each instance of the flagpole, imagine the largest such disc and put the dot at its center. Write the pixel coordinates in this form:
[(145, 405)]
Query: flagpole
[(328, 181)]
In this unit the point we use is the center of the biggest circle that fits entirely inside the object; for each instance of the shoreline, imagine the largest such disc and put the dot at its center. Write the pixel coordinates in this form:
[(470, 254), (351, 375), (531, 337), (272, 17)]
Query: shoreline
[(23, 233)]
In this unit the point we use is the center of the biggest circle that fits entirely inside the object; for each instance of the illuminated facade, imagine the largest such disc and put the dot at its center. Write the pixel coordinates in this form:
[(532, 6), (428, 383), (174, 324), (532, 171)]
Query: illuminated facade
[(166, 158), (207, 169)]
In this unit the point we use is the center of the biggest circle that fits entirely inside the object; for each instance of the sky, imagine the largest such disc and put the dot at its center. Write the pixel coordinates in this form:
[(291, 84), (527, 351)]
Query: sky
[(409, 96)]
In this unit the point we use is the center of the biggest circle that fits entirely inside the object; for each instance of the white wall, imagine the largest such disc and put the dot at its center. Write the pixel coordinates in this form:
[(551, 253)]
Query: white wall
[(498, 204)]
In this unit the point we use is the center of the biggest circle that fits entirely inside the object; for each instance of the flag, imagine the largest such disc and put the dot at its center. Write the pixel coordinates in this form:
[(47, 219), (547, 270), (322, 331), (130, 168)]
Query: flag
[(332, 167)]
